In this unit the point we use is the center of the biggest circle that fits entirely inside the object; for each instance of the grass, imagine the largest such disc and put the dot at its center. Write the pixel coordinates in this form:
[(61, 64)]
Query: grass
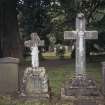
[(52, 55), (57, 76), (56, 79)]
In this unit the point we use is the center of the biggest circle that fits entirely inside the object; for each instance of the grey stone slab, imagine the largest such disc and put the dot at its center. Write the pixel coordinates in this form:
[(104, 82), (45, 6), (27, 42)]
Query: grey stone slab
[(9, 60), (8, 75)]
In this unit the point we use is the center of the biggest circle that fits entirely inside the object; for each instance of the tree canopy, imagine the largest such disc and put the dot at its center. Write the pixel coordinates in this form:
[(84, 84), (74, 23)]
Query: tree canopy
[(55, 15), (49, 18)]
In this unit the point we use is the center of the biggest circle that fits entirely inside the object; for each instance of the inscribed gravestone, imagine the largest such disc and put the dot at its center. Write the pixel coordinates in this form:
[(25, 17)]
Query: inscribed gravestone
[(9, 75), (81, 85), (35, 80)]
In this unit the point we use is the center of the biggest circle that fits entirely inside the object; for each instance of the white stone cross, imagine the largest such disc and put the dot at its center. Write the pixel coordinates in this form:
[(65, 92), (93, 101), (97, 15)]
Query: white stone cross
[(33, 45), (80, 35)]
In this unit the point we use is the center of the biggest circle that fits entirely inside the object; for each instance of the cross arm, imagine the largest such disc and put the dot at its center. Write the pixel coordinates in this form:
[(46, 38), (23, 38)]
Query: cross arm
[(91, 34), (87, 34), (70, 34)]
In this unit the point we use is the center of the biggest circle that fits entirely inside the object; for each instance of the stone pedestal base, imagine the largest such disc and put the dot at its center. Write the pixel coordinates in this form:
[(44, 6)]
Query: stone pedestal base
[(80, 87), (35, 83)]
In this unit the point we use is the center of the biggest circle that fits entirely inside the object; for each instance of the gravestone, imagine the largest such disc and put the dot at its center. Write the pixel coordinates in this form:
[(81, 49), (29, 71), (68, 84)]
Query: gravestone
[(67, 49), (81, 85), (103, 77), (55, 50), (33, 45), (80, 35), (9, 68), (35, 80)]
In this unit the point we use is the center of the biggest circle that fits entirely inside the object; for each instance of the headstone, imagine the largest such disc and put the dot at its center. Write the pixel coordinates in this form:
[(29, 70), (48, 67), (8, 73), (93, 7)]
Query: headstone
[(35, 80), (66, 49), (81, 85), (9, 68), (80, 35), (55, 50), (33, 45), (103, 77)]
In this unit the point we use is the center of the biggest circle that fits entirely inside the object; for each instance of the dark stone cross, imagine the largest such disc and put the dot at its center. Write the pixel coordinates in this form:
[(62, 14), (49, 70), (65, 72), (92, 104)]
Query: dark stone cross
[(80, 35)]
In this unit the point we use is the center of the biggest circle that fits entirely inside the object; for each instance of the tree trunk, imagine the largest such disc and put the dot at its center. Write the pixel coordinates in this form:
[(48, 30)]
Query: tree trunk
[(10, 44)]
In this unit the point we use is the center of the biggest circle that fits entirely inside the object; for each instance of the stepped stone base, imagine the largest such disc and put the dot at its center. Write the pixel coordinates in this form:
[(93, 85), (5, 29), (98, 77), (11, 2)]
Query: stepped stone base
[(35, 83), (80, 87), (86, 102)]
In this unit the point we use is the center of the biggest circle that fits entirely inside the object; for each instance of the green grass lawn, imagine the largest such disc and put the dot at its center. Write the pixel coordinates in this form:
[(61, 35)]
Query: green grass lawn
[(52, 55), (57, 76)]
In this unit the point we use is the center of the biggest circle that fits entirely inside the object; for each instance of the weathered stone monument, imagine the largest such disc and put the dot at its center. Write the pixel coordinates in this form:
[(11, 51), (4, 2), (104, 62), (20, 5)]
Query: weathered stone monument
[(81, 85), (80, 35), (9, 68), (35, 81)]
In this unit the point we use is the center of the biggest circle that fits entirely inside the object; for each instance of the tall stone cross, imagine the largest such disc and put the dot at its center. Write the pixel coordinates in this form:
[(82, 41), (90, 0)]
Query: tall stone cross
[(33, 45), (80, 35)]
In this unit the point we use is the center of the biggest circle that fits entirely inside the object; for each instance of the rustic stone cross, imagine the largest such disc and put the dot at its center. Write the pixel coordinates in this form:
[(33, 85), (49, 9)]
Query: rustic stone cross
[(33, 45), (80, 35)]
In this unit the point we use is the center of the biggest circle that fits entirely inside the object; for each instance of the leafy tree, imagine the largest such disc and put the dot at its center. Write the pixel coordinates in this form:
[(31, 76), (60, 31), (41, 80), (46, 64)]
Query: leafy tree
[(35, 16), (53, 17)]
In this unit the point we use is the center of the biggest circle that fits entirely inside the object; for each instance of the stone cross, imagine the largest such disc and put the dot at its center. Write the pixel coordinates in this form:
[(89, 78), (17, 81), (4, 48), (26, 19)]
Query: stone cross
[(33, 45), (80, 35)]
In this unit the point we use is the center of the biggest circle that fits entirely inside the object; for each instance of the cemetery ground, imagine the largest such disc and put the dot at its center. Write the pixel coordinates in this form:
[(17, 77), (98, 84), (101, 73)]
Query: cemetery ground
[(58, 71)]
